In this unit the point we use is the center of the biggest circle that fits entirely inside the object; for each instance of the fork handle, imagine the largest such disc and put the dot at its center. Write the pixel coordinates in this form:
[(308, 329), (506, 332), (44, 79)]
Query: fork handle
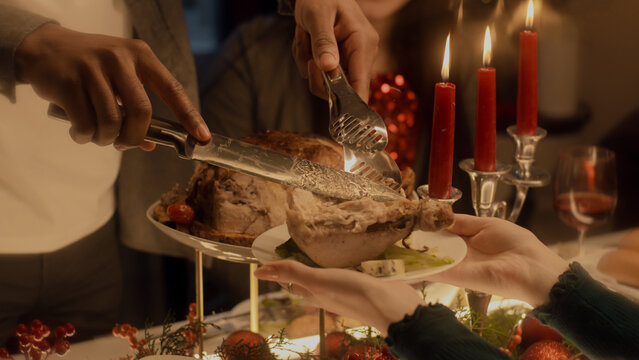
[(339, 86)]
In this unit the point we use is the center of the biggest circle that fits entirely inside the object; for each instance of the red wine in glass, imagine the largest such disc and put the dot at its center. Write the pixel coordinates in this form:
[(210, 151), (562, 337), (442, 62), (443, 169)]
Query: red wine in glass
[(585, 193), (583, 210)]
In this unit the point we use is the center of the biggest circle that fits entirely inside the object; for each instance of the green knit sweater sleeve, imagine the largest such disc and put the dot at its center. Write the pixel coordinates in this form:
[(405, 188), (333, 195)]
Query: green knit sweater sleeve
[(602, 323), (433, 332)]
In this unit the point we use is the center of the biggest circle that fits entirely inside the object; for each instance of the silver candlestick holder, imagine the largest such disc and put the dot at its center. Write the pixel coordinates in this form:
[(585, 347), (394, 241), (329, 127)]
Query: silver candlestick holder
[(455, 194), (523, 175), (483, 187)]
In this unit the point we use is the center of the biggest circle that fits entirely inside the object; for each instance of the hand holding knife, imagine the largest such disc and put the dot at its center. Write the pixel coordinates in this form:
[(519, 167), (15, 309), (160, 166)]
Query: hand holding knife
[(267, 164)]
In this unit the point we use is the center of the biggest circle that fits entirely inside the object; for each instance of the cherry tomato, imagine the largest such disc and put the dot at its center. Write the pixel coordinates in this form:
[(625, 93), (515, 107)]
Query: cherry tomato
[(181, 213)]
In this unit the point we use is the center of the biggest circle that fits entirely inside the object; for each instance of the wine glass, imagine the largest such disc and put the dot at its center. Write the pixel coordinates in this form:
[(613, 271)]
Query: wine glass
[(585, 193)]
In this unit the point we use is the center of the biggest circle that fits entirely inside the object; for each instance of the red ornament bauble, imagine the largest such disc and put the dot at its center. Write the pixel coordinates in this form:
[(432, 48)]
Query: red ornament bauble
[(396, 103), (533, 331), (244, 345), (546, 350)]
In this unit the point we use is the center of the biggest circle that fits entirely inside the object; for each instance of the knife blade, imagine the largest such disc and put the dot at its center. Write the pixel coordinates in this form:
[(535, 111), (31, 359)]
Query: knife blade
[(263, 163)]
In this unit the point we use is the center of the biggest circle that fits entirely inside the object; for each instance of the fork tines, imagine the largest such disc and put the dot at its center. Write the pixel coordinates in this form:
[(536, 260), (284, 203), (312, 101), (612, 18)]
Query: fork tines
[(351, 130), (365, 170)]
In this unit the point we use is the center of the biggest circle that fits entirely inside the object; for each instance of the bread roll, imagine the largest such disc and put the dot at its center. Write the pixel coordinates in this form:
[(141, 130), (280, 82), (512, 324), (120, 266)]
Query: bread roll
[(630, 241), (622, 264)]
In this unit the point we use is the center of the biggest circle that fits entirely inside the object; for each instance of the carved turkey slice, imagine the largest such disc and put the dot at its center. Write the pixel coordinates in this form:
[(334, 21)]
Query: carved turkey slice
[(343, 234)]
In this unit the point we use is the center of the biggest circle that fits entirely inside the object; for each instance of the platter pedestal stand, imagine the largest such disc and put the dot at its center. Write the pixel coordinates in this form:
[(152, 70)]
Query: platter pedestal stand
[(221, 251), (322, 335), (253, 299), (199, 297)]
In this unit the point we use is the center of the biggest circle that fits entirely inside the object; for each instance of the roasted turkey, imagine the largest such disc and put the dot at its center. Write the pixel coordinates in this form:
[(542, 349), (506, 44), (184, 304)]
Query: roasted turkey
[(235, 208)]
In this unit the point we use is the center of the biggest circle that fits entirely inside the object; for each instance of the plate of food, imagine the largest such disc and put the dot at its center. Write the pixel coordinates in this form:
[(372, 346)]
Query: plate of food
[(182, 233), (399, 240), (221, 212)]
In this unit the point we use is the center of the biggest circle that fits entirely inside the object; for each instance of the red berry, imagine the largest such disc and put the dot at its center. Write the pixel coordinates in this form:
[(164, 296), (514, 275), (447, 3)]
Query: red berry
[(61, 347), (25, 341), (517, 339), (70, 329), (193, 306), (36, 354), (4, 353), (181, 213), (36, 325), (61, 331), (43, 345), (45, 331), (21, 329)]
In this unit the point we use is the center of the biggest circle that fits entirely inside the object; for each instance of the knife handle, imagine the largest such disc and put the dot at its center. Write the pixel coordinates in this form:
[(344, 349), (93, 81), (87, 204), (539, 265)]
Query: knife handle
[(161, 131)]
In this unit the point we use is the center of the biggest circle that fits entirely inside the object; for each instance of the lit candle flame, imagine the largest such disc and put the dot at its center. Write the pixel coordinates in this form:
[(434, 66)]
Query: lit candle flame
[(530, 14), (446, 64), (488, 48)]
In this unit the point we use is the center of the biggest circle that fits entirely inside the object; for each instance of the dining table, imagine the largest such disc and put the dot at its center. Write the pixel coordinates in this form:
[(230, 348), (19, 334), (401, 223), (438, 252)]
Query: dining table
[(109, 347)]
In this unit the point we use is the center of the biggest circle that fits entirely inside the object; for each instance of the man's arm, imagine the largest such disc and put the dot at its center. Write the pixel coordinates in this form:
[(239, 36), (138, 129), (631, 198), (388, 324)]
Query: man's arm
[(330, 32), (89, 76), (15, 25)]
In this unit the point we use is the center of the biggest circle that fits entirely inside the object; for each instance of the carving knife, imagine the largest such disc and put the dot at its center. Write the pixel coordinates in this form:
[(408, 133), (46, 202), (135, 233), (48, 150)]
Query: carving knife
[(267, 164)]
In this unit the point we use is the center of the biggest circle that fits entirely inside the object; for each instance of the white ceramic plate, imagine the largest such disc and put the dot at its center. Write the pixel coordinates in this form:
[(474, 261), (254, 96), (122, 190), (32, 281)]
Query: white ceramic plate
[(447, 244), (222, 251)]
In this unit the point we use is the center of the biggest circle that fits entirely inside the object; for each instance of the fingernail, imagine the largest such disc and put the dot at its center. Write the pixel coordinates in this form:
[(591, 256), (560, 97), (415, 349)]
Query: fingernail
[(203, 132), (267, 272), (120, 147), (328, 59)]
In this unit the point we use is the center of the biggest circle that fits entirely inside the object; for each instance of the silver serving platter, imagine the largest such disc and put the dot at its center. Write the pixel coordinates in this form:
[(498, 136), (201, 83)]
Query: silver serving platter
[(222, 251)]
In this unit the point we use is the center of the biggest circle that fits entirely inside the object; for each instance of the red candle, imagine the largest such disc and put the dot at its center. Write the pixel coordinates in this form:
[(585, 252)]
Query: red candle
[(440, 172), (527, 86), (485, 122)]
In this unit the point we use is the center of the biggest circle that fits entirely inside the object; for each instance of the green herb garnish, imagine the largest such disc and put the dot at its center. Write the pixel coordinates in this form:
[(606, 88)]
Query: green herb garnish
[(289, 250), (416, 260)]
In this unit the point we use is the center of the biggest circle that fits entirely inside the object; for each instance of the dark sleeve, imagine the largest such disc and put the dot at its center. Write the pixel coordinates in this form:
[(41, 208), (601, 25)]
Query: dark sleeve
[(15, 25), (285, 7), (254, 85), (602, 323), (433, 332)]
